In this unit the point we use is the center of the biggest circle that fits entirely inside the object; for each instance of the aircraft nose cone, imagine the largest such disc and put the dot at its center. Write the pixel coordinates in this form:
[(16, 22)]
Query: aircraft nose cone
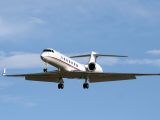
[(42, 56)]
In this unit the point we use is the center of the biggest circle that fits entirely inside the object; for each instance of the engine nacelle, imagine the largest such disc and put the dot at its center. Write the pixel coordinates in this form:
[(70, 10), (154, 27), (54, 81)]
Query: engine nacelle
[(94, 67)]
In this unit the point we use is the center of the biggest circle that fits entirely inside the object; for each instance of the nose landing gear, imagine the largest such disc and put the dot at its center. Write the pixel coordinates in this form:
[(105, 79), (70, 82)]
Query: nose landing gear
[(45, 70), (46, 66)]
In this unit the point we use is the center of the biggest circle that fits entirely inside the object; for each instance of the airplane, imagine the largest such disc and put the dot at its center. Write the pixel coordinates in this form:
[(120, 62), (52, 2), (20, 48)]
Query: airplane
[(67, 67)]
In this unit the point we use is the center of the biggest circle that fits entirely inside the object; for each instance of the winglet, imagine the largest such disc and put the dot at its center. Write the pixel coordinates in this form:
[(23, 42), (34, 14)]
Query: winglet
[(4, 72)]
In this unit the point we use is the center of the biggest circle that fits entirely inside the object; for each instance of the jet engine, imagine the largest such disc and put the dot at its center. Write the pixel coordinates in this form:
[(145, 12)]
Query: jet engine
[(94, 67)]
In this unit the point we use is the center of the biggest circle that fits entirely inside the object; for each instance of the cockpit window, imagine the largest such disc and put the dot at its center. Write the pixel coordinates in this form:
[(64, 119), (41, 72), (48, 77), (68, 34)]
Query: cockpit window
[(48, 50)]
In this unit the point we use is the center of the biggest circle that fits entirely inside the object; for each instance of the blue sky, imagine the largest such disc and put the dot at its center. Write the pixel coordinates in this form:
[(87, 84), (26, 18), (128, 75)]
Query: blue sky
[(123, 27)]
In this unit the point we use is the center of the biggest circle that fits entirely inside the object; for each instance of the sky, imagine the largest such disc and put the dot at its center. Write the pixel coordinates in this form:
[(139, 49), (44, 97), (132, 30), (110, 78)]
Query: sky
[(123, 27)]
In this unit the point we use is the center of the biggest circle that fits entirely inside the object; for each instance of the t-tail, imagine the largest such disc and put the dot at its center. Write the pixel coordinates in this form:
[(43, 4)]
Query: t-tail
[(92, 65)]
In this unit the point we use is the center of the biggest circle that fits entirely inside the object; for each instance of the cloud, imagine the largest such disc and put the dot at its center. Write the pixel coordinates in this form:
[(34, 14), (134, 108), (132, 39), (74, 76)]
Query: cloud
[(131, 8), (109, 61), (112, 62), (7, 29), (152, 62), (20, 60), (124, 9), (17, 100), (10, 28), (35, 20), (154, 52), (22, 18), (141, 61)]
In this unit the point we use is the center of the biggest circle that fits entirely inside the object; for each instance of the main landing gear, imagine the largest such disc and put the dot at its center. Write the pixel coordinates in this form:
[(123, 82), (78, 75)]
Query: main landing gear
[(86, 85), (61, 83), (60, 86)]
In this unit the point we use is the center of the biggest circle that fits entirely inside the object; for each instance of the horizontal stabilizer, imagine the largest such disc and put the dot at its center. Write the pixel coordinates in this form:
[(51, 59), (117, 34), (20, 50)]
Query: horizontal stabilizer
[(96, 55)]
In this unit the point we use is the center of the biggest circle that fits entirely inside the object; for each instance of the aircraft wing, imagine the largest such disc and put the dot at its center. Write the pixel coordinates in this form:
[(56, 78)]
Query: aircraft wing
[(44, 77), (104, 77), (91, 76)]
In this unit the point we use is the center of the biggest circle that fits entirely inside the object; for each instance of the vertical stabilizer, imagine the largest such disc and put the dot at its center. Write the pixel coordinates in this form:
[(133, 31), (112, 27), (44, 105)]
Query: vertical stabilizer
[(93, 57)]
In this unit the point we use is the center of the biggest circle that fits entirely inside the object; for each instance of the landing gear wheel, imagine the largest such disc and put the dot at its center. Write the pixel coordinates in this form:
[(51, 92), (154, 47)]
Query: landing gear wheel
[(45, 67), (85, 85), (60, 86), (45, 70)]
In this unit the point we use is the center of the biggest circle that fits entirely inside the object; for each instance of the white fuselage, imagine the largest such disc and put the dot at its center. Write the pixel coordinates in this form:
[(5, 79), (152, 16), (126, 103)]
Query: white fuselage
[(61, 61)]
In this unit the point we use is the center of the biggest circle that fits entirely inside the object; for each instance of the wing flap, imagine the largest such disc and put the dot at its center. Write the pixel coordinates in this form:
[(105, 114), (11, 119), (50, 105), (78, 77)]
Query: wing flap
[(110, 77), (98, 77), (103, 77), (43, 77)]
